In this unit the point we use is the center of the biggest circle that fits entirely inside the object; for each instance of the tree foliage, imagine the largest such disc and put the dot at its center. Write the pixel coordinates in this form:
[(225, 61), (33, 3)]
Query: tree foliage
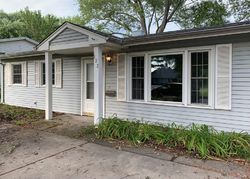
[(152, 16), (126, 16), (240, 9), (129, 15), (36, 26), (203, 14), (9, 25)]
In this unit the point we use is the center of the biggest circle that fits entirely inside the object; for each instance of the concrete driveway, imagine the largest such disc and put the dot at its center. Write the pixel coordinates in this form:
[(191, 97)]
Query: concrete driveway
[(26, 153)]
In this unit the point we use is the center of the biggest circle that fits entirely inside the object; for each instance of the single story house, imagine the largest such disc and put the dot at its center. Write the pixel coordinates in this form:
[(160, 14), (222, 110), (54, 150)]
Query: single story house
[(189, 76)]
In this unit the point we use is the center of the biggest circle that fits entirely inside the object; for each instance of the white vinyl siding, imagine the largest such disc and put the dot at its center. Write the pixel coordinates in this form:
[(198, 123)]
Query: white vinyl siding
[(236, 119), (69, 36), (66, 99)]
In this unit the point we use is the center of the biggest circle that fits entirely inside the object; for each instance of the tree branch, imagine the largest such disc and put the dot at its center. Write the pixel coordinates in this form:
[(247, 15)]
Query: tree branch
[(150, 21)]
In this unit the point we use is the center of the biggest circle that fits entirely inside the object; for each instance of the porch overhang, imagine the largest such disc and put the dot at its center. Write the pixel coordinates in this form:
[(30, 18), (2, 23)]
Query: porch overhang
[(74, 39), (71, 36)]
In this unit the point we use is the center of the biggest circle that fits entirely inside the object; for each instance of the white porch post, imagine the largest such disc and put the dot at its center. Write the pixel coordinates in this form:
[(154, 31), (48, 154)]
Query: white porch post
[(48, 91), (98, 81)]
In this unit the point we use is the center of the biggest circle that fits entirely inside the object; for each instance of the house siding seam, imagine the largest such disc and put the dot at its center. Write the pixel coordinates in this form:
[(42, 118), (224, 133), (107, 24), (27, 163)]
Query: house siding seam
[(69, 36), (237, 119), (66, 99)]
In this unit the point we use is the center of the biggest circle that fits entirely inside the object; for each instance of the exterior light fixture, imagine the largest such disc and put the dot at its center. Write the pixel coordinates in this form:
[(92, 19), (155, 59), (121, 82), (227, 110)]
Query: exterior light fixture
[(109, 59)]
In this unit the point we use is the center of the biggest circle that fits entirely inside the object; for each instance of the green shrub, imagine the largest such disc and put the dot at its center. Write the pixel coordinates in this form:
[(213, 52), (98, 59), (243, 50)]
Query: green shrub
[(196, 139)]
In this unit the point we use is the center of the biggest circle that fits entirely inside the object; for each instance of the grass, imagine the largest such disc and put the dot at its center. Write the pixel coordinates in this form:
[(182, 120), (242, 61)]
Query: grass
[(199, 140), (19, 115)]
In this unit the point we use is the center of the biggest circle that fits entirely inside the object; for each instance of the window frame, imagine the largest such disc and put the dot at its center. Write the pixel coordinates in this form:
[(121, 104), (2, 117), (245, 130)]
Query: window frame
[(150, 76), (12, 73), (23, 83), (211, 80), (41, 73), (186, 79), (129, 76)]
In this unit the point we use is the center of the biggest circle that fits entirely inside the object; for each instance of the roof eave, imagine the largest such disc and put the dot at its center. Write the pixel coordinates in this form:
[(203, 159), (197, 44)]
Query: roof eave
[(180, 35)]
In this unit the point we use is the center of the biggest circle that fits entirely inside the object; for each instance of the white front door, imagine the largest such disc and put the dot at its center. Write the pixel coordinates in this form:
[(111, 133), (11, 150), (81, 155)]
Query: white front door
[(88, 86)]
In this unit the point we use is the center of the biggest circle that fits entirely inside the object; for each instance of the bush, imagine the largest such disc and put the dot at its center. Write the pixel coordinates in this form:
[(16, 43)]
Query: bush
[(196, 139)]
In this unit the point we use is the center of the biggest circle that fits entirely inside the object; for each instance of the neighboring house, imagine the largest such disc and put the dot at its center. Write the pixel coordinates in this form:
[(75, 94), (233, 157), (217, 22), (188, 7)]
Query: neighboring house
[(82, 71), (15, 45), (19, 44)]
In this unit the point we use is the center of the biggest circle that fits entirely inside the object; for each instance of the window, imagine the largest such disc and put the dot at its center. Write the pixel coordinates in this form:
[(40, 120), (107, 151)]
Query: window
[(43, 73), (199, 78), (166, 77), (90, 80), (17, 73), (186, 77), (138, 78)]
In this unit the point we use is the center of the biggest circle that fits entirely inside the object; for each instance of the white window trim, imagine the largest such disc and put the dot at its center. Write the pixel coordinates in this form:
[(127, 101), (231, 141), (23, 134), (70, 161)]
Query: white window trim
[(211, 80), (186, 83), (129, 76), (11, 73), (41, 74), (149, 77)]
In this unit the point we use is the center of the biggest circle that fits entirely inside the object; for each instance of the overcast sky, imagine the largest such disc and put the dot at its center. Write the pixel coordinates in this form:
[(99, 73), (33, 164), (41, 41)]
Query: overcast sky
[(57, 7)]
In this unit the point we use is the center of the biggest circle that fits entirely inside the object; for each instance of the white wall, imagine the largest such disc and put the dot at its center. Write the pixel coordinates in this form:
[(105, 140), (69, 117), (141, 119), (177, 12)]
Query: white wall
[(237, 119), (66, 99)]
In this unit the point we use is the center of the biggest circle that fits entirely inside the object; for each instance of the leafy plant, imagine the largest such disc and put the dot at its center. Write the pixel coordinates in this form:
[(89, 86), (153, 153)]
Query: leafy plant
[(196, 139)]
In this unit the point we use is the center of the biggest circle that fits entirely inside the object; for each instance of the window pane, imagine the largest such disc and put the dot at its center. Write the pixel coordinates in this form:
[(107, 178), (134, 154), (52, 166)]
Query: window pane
[(17, 74), (90, 90), (90, 72), (44, 74), (166, 78), (199, 77), (138, 78)]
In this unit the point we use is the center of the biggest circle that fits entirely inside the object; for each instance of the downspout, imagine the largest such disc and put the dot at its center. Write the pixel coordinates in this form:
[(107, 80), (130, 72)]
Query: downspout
[(2, 65)]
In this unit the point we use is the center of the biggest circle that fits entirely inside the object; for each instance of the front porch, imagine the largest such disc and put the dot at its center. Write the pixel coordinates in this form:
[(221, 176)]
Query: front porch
[(72, 40)]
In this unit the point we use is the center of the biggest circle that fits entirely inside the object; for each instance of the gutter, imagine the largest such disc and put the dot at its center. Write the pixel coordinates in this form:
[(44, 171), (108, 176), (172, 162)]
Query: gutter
[(187, 34)]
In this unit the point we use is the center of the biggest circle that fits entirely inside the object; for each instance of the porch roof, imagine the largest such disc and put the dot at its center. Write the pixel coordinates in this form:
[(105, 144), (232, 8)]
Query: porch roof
[(72, 36)]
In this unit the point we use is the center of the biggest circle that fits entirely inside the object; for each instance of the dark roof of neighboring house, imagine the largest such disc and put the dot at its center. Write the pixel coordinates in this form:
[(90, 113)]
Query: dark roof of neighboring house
[(19, 39)]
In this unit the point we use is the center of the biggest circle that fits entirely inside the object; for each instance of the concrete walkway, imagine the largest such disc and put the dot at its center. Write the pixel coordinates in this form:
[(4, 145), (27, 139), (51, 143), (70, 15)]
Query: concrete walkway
[(46, 155)]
